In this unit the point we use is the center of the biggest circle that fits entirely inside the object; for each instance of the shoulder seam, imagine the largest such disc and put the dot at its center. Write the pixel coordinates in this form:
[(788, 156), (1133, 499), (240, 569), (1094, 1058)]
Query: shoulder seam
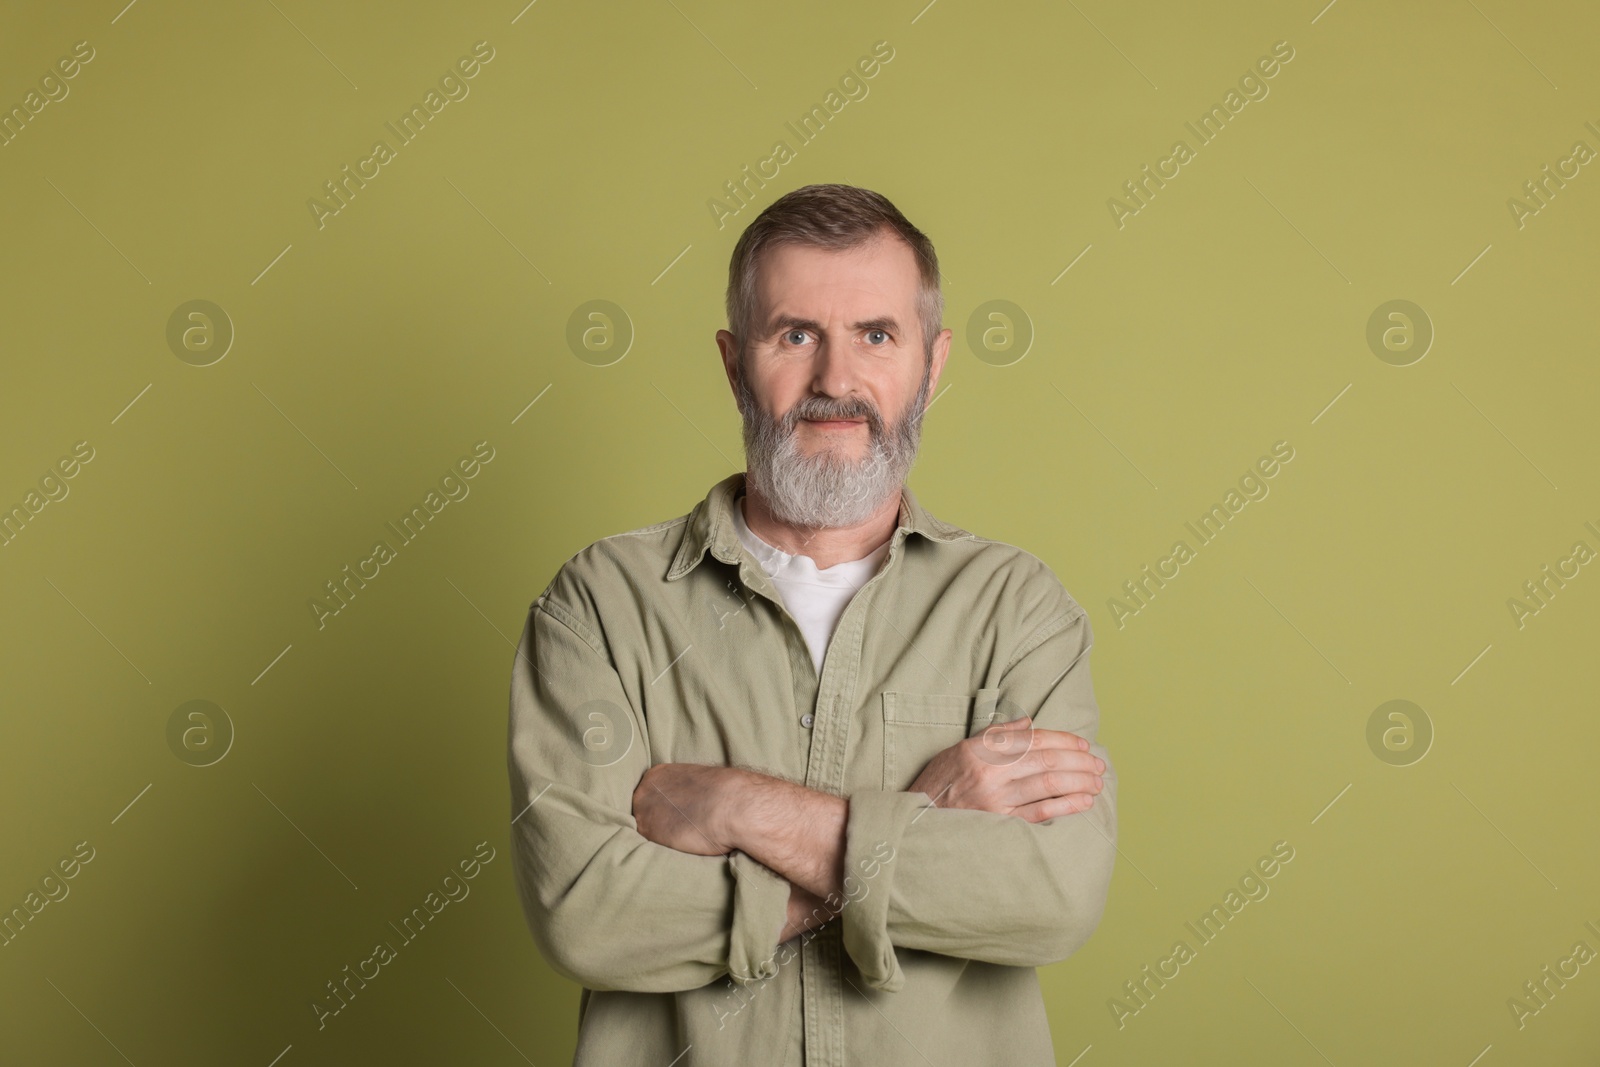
[(569, 619), (1049, 629)]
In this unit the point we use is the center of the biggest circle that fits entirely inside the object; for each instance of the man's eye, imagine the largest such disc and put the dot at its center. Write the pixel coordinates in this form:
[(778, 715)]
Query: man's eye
[(870, 334), (795, 337)]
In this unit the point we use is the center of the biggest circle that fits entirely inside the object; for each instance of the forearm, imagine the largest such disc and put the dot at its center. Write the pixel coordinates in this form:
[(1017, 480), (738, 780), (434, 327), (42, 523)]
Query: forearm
[(1043, 886), (795, 831), (612, 911)]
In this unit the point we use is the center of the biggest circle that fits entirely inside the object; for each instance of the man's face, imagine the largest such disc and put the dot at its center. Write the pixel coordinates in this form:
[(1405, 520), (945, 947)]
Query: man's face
[(833, 380)]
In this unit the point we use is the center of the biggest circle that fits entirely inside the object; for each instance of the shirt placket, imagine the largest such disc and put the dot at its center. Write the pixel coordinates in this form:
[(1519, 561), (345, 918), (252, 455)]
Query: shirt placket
[(822, 957), (820, 970)]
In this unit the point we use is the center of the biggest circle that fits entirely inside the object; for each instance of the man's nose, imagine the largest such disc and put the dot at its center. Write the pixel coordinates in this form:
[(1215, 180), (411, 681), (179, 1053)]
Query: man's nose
[(834, 368)]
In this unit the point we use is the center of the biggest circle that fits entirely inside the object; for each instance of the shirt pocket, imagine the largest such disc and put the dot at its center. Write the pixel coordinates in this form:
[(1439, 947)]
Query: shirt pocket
[(918, 726)]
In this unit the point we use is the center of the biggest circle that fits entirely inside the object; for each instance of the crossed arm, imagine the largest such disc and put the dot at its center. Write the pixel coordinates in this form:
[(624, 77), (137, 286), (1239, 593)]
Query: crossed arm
[(661, 878), (706, 810)]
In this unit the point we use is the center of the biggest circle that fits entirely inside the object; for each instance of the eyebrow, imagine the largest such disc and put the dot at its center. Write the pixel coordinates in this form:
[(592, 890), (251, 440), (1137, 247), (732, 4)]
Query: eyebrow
[(781, 323)]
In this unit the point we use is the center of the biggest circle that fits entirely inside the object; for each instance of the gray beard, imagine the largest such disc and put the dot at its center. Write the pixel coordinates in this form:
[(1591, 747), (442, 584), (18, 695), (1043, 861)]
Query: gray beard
[(829, 489)]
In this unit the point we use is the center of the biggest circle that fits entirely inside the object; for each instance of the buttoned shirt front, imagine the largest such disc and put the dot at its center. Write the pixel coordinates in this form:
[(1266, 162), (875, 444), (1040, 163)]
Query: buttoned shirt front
[(669, 644)]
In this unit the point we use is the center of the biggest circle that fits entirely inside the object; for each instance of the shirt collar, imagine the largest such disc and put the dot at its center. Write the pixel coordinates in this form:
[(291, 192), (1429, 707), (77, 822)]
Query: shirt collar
[(710, 526)]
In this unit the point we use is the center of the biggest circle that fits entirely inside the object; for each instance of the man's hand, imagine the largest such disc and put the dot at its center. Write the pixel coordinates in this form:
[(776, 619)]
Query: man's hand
[(684, 806), (1012, 769)]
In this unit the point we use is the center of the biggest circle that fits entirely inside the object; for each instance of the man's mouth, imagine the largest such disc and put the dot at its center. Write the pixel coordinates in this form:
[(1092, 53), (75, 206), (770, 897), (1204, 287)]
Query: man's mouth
[(836, 424)]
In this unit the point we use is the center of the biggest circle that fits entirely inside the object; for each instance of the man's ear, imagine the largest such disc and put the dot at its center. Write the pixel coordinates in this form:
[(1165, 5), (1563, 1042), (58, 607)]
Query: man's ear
[(729, 347), (941, 352)]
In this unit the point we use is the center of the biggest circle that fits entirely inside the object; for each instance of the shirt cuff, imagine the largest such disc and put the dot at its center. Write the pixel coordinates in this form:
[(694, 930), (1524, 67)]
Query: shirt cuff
[(876, 822), (760, 912)]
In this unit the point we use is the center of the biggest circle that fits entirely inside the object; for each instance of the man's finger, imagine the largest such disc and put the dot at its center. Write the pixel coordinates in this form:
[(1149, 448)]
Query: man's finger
[(1056, 783), (1044, 758), (1043, 738), (1054, 807)]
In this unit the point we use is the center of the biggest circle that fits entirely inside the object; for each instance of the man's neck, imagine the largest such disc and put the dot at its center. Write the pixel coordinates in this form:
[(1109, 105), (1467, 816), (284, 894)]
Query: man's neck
[(826, 546)]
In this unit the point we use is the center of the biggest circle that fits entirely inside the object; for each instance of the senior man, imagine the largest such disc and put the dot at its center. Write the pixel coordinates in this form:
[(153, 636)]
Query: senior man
[(808, 776)]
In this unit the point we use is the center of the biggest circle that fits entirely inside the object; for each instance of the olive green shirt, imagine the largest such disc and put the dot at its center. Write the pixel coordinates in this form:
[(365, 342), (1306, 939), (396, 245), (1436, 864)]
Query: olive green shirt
[(669, 644)]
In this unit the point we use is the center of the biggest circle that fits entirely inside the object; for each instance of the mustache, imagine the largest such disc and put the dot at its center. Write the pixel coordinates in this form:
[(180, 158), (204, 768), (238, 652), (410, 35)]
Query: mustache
[(822, 408)]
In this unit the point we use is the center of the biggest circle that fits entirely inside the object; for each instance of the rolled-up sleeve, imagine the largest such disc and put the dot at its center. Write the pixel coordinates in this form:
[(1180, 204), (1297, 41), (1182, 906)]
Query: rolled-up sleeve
[(975, 884), (607, 907)]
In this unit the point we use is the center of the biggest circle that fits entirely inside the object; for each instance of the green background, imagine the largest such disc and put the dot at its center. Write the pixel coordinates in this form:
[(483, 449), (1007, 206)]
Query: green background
[(368, 756)]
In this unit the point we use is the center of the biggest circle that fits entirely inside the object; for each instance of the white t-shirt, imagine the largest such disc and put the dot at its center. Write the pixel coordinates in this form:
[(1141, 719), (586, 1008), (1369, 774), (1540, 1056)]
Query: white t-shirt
[(815, 598)]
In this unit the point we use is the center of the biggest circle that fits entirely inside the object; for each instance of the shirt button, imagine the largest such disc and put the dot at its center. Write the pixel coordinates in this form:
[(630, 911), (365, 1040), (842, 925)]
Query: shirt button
[(806, 721)]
